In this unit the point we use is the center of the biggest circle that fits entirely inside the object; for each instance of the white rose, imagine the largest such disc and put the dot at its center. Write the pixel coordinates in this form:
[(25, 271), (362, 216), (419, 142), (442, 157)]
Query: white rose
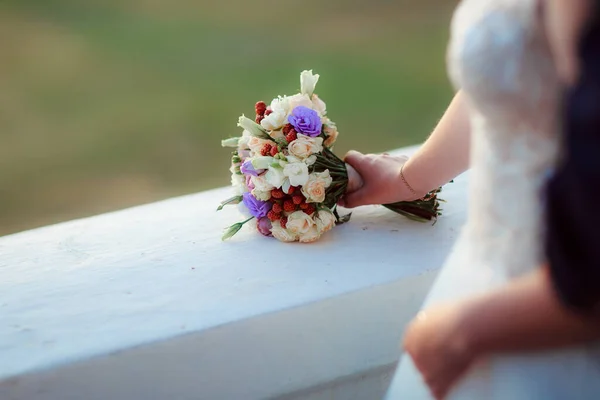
[(260, 195), (319, 105), (299, 100), (332, 133), (299, 223), (312, 235), (281, 105), (297, 173), (260, 183), (274, 121), (305, 146), (325, 220), (310, 160), (282, 234), (308, 82), (315, 187), (275, 177)]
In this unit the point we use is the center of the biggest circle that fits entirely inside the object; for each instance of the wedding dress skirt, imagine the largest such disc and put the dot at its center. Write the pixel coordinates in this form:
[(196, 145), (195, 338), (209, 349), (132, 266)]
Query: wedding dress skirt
[(499, 57)]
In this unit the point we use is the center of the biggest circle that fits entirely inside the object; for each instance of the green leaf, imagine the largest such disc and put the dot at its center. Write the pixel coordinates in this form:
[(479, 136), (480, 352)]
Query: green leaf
[(231, 200)]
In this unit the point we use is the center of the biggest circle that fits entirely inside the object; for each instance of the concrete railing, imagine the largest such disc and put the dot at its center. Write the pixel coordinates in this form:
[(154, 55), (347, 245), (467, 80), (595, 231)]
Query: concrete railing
[(148, 303)]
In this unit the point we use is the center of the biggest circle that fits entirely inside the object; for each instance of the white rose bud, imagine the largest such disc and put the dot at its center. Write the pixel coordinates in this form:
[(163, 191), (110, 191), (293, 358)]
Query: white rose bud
[(315, 187), (297, 173), (299, 223), (305, 146), (252, 127), (282, 234), (325, 220), (312, 235), (319, 105), (308, 82), (255, 144), (231, 142)]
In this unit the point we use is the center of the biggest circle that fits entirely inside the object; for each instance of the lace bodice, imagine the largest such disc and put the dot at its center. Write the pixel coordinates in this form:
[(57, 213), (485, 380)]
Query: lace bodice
[(498, 56)]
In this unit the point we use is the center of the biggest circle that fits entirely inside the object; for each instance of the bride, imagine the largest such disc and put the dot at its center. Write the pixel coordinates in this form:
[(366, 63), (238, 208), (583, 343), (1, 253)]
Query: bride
[(501, 322)]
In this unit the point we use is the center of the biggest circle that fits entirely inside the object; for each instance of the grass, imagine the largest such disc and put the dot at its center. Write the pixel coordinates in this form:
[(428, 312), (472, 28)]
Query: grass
[(108, 104)]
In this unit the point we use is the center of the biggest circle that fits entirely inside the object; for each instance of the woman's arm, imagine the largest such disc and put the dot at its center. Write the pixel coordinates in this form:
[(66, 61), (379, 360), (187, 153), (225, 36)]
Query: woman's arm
[(442, 157), (525, 315)]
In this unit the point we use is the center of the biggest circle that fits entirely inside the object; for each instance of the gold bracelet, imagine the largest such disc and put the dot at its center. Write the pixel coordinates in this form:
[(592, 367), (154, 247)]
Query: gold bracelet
[(413, 191)]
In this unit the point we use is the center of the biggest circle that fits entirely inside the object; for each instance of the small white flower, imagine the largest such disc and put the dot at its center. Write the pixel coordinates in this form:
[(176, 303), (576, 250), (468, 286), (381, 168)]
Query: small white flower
[(305, 146), (297, 172), (260, 183), (315, 187), (282, 234), (274, 121), (312, 235), (325, 220), (299, 222), (308, 82), (298, 100), (275, 176), (260, 195), (319, 105)]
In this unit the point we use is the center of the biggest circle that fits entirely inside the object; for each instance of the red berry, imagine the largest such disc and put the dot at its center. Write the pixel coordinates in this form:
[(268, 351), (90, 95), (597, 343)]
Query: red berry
[(273, 216), (291, 136), (268, 112), (310, 209), (277, 208), (289, 206), (297, 199), (291, 190), (260, 108), (259, 118), (265, 150), (274, 151), (287, 128), (277, 194), (283, 222)]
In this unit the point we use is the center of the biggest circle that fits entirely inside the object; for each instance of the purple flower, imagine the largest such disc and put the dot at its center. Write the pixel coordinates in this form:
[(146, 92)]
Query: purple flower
[(306, 121), (248, 169), (264, 226), (257, 208)]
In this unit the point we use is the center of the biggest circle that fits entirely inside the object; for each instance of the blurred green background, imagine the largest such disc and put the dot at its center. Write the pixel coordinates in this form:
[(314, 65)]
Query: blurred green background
[(106, 104)]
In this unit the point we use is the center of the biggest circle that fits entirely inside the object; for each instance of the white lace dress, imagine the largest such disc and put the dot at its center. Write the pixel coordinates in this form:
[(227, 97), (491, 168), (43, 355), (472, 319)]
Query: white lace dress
[(499, 57)]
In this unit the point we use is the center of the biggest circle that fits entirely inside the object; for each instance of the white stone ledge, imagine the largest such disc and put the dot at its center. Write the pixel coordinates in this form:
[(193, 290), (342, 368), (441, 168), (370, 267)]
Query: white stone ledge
[(148, 303)]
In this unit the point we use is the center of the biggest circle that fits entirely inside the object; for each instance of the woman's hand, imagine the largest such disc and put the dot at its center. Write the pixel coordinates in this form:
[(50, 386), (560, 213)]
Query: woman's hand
[(439, 348), (564, 21), (376, 180)]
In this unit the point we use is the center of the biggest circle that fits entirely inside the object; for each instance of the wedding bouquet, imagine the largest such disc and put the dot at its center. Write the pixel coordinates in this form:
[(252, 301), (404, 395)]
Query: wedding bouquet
[(287, 178)]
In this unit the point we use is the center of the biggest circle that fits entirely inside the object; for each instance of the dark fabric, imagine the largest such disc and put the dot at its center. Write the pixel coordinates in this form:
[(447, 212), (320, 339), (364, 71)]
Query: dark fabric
[(573, 237)]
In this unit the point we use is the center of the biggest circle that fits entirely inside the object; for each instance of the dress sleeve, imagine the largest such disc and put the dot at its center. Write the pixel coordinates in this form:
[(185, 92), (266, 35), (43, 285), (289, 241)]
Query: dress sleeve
[(573, 195)]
